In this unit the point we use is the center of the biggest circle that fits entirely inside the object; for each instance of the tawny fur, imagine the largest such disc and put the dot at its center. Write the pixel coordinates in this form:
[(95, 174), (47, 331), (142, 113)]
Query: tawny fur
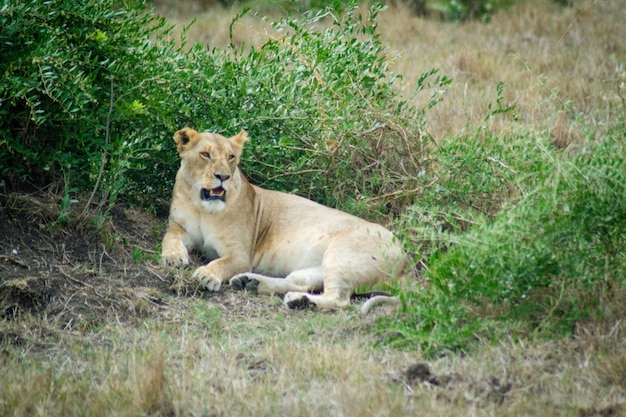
[(267, 240)]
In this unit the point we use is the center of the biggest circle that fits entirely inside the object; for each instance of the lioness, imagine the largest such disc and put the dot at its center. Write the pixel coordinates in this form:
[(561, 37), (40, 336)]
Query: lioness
[(266, 240)]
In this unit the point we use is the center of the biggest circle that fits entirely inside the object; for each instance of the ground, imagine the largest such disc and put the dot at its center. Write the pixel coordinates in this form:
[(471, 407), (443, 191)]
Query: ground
[(85, 306), (70, 273)]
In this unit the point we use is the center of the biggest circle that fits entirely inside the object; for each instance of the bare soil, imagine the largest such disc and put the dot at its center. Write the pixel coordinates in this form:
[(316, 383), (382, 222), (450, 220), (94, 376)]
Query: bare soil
[(73, 273)]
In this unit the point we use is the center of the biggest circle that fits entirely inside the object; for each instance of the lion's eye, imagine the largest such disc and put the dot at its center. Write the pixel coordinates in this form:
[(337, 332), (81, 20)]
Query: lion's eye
[(205, 155), (231, 157)]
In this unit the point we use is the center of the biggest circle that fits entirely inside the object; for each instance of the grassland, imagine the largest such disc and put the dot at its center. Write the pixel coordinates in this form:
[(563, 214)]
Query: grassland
[(562, 67), (91, 325)]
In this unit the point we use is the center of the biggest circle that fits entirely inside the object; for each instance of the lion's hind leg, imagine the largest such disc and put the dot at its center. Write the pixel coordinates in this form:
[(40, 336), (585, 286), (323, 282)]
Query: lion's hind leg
[(353, 260), (301, 280), (300, 300)]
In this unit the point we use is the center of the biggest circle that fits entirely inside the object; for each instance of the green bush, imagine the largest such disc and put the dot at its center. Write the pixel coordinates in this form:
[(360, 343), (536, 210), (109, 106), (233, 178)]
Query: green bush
[(455, 10), (541, 265), (458, 9), (92, 93), (75, 94), (321, 109)]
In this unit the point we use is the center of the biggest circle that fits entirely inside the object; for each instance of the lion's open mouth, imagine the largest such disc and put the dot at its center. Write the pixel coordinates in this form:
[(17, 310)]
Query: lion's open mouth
[(217, 193)]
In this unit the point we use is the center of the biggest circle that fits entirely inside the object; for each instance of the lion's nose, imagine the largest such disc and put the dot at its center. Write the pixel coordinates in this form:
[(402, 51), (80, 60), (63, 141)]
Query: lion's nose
[(222, 177)]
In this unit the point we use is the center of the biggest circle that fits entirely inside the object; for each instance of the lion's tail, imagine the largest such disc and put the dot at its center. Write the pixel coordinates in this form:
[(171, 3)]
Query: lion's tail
[(376, 299)]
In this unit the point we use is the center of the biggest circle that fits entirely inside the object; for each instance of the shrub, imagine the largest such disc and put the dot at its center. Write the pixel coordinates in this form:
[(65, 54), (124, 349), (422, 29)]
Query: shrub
[(325, 118), (74, 96), (93, 93), (458, 9), (538, 267)]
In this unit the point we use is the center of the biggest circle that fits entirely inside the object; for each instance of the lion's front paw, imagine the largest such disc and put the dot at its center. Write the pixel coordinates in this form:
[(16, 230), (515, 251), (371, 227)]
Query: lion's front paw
[(207, 279), (244, 282), (176, 256), (175, 261), (297, 300)]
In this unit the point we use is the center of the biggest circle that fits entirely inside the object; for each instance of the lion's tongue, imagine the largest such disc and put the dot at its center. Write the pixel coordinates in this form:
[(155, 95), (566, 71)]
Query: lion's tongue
[(216, 192), (209, 194)]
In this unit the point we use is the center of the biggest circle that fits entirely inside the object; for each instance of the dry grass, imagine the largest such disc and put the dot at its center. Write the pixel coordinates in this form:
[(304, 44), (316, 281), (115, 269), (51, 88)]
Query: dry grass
[(563, 68), (198, 358)]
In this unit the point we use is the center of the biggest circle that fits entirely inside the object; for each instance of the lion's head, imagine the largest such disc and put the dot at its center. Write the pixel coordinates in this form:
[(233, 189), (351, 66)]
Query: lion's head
[(209, 165)]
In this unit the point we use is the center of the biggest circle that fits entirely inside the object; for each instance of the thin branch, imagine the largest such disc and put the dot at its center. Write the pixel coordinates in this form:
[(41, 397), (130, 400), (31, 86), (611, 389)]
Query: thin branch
[(399, 192), (104, 153)]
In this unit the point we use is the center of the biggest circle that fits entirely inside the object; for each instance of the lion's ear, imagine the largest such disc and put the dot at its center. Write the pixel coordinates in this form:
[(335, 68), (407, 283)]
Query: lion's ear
[(184, 138), (238, 141)]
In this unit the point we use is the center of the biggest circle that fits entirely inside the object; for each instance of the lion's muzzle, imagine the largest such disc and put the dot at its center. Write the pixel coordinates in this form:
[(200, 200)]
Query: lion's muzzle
[(210, 194)]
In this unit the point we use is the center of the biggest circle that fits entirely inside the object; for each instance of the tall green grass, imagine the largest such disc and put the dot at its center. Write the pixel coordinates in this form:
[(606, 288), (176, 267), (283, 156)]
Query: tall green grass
[(552, 257)]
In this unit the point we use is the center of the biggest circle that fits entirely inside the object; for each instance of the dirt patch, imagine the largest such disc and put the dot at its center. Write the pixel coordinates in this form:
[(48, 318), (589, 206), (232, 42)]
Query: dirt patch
[(76, 273), (448, 386)]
